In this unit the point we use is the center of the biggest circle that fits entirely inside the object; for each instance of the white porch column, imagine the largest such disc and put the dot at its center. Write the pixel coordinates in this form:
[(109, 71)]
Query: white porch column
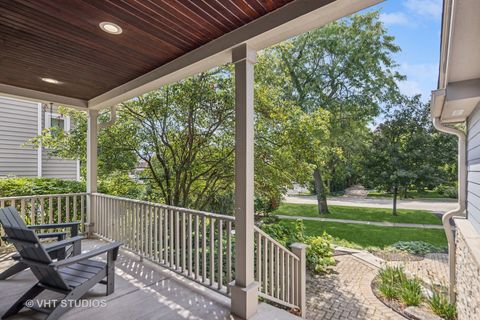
[(92, 144), (244, 290)]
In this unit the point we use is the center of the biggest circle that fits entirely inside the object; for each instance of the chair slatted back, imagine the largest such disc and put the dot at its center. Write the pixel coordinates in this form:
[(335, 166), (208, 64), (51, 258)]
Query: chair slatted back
[(30, 249)]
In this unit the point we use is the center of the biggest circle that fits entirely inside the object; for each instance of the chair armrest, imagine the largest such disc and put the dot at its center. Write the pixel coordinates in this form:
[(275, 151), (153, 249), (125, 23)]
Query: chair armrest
[(54, 225), (72, 225), (90, 254), (62, 244)]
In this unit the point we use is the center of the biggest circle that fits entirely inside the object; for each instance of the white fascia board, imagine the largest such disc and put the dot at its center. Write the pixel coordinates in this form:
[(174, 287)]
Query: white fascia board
[(39, 96), (290, 20)]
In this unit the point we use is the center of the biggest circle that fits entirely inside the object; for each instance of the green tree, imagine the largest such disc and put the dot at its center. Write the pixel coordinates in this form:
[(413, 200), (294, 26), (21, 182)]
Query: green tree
[(404, 151), (347, 69)]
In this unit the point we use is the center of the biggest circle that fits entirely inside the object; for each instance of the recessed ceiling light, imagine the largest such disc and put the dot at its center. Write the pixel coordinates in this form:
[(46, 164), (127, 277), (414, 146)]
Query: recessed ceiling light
[(110, 27), (457, 112), (50, 80)]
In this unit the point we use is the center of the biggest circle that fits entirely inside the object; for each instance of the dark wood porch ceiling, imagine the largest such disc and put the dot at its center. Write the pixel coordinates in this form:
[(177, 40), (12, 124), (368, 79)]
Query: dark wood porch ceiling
[(62, 40)]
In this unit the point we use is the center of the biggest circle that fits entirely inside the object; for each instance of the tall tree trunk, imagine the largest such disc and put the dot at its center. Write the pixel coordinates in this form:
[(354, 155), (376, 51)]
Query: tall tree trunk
[(321, 192), (395, 194)]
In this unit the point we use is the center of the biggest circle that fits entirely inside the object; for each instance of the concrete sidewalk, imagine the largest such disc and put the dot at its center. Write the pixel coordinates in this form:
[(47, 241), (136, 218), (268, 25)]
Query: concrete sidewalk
[(372, 223)]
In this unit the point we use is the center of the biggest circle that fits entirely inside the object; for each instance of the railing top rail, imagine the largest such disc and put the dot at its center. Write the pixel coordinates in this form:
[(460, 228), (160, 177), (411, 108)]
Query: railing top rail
[(42, 196), (275, 242), (164, 206)]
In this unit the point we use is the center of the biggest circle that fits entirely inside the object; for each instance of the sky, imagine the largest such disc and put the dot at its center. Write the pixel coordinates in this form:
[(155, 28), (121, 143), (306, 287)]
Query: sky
[(416, 25)]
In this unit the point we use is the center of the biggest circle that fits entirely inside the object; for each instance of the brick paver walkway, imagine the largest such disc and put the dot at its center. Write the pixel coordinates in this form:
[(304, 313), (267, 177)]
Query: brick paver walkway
[(433, 267), (346, 293)]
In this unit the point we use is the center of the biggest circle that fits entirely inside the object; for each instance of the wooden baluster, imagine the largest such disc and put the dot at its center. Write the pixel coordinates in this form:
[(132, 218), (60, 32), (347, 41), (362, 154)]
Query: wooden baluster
[(42, 210), (190, 239), (160, 236), (172, 238), (74, 218), (22, 208), (177, 240), (272, 276), (277, 272), (259, 259), (50, 210), (184, 243), (197, 249), (151, 217), (59, 210), (82, 210), (204, 249), (212, 251), (265, 264), (2, 203), (220, 255), (67, 209), (33, 210), (229, 255), (155, 234)]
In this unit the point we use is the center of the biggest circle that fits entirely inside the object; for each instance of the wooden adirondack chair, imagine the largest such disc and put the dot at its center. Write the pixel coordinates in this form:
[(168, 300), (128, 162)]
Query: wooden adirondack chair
[(61, 249), (72, 277)]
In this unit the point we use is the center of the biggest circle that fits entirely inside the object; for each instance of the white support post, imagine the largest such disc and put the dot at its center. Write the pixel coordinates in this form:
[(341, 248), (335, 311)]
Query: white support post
[(244, 289), (300, 250), (92, 144)]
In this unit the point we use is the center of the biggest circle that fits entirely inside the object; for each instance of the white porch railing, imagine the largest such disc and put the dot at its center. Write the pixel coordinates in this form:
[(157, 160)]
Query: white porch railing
[(50, 208), (196, 244), (279, 272)]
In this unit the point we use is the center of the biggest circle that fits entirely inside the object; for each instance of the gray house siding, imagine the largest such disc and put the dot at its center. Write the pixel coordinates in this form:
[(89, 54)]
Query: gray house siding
[(19, 122), (473, 164), (54, 167)]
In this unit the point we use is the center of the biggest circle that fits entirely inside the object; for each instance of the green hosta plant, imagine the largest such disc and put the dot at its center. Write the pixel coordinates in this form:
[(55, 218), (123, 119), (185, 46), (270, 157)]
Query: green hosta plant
[(416, 247), (320, 252)]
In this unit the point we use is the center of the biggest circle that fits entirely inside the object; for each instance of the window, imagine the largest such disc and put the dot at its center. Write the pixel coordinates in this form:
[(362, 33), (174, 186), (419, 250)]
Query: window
[(57, 120)]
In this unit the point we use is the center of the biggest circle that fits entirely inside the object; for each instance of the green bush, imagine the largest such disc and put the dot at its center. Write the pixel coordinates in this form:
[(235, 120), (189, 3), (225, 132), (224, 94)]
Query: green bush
[(320, 252), (411, 292), (448, 191), (11, 187), (439, 304), (416, 247)]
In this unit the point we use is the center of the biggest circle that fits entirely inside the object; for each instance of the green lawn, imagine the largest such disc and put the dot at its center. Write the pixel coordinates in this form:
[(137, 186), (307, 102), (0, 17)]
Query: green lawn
[(373, 236), (359, 213), (413, 194)]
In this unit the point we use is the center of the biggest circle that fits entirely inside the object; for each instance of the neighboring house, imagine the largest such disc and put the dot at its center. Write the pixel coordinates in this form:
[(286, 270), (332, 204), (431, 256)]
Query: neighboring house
[(457, 101), (20, 121)]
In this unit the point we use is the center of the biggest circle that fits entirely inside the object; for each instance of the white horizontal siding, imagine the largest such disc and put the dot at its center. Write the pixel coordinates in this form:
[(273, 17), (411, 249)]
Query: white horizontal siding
[(18, 124), (54, 167), (473, 164)]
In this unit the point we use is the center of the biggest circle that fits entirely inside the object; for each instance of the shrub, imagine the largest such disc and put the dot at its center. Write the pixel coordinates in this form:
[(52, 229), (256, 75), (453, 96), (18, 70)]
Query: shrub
[(439, 304), (320, 252), (10, 187), (416, 247), (120, 184), (411, 292)]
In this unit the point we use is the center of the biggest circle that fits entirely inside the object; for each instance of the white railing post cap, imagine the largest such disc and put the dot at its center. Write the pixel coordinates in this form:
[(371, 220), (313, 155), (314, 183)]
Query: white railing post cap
[(299, 246)]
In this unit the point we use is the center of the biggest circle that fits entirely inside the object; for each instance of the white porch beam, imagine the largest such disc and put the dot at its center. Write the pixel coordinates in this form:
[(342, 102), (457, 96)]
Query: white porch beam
[(244, 290), (92, 145), (290, 20), (39, 96)]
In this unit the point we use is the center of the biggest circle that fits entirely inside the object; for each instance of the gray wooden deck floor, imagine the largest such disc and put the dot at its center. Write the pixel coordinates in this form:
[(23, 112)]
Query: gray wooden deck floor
[(142, 291)]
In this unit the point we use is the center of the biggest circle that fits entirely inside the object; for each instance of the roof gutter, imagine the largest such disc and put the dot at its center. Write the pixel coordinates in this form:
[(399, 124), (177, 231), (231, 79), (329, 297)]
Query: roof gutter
[(438, 98)]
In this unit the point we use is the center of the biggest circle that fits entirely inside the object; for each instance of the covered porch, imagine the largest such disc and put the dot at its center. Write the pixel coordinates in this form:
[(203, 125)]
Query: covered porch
[(99, 54)]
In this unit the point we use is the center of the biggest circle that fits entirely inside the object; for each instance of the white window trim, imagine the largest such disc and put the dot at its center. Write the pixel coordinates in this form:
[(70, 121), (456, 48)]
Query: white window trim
[(40, 148), (49, 116)]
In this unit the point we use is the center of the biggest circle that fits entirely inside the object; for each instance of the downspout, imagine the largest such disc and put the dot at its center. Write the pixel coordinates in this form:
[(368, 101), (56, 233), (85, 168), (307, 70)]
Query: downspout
[(113, 118), (447, 218)]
